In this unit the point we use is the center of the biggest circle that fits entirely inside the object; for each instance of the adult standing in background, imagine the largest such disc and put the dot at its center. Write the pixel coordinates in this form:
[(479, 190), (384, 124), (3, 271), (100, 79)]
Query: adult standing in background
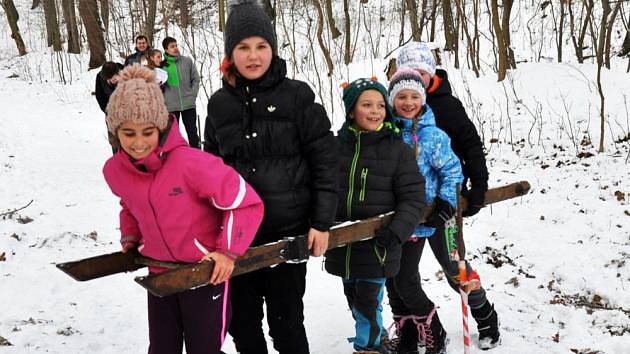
[(140, 56), (182, 86)]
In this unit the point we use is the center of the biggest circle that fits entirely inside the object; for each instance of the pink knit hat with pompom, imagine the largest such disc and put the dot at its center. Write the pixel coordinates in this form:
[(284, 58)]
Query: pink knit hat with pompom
[(137, 98)]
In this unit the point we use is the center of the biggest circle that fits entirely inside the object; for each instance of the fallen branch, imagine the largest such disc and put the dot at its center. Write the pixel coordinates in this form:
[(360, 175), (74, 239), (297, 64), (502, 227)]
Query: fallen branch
[(600, 307), (11, 212)]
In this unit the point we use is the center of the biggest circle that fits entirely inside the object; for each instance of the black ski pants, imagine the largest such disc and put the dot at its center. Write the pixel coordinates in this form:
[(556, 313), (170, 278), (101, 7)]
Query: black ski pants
[(405, 293), (189, 117), (197, 317), (281, 288)]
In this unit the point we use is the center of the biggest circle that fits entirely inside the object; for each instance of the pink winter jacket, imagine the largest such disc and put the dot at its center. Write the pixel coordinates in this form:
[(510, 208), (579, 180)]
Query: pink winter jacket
[(180, 203)]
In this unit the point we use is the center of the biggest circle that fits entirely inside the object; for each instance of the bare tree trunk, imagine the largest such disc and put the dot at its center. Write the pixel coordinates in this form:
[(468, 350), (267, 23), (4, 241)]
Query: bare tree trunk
[(149, 29), (560, 30), (450, 32), (471, 43), (401, 36), (347, 57), (625, 47), (35, 4), (606, 10), (88, 10), (331, 20), (105, 14), (507, 11), (12, 17), (184, 17), (416, 30), (572, 28), (52, 25), (271, 11), (609, 27), (69, 14), (423, 16), (433, 20), (476, 43), (221, 15), (502, 31), (165, 16), (320, 39), (578, 42)]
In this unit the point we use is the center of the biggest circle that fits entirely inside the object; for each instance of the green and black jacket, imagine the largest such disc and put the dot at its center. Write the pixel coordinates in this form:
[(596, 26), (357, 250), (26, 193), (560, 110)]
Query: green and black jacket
[(378, 173)]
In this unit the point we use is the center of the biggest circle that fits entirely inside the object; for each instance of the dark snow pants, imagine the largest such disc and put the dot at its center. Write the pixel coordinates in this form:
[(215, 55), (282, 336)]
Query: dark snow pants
[(189, 117), (404, 291), (198, 317), (281, 288), (365, 297)]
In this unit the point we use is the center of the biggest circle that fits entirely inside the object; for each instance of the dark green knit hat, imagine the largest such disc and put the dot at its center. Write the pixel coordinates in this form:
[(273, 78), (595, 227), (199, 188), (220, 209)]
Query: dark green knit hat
[(353, 90)]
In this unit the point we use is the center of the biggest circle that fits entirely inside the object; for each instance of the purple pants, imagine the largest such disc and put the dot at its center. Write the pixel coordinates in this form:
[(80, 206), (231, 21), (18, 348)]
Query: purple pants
[(198, 317)]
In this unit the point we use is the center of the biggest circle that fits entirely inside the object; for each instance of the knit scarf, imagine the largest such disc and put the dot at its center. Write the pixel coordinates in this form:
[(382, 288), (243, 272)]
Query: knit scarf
[(171, 69)]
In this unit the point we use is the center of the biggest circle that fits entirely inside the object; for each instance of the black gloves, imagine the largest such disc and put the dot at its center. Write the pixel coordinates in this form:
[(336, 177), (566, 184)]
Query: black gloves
[(442, 211), (475, 198), (386, 238)]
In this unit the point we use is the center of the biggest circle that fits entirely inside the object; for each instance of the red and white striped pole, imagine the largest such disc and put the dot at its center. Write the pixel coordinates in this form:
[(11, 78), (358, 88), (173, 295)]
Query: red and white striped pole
[(460, 256), (463, 279)]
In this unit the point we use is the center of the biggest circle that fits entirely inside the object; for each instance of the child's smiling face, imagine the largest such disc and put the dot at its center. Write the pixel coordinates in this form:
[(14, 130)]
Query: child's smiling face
[(370, 110), (408, 103), (156, 58), (138, 140)]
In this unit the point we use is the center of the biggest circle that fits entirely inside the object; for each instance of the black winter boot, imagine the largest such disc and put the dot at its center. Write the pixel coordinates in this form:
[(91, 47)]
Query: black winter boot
[(405, 340), (433, 334), (488, 326)]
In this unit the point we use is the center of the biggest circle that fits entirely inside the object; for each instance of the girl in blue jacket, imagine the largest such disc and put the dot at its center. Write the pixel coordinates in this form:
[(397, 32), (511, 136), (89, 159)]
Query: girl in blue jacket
[(415, 315)]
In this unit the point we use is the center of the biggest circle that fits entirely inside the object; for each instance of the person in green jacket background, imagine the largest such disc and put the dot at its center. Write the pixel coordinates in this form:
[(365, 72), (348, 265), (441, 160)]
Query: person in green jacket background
[(182, 86)]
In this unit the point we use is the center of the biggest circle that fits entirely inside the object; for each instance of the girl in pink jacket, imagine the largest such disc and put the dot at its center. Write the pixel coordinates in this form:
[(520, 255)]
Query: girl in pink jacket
[(179, 204)]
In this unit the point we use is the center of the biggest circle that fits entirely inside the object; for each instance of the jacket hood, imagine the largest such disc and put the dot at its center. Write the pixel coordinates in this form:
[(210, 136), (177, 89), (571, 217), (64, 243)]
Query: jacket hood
[(444, 87), (427, 120), (170, 139)]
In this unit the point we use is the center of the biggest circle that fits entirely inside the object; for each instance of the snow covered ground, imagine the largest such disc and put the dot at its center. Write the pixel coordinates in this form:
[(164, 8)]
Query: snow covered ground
[(555, 262)]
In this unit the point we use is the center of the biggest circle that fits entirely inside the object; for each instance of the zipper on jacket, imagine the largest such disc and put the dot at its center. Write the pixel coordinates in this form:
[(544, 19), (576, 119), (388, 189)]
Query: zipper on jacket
[(348, 252), (382, 259), (353, 170), (364, 174)]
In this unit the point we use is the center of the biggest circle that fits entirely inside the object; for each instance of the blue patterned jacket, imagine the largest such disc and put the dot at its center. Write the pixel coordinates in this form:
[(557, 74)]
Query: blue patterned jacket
[(437, 162)]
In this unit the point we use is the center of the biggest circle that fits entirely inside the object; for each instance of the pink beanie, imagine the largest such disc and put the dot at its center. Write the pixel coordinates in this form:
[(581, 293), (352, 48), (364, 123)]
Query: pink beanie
[(137, 98)]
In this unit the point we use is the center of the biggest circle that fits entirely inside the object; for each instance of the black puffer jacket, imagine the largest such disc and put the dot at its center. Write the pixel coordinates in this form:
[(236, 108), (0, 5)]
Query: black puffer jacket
[(451, 117), (378, 174), (274, 134)]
